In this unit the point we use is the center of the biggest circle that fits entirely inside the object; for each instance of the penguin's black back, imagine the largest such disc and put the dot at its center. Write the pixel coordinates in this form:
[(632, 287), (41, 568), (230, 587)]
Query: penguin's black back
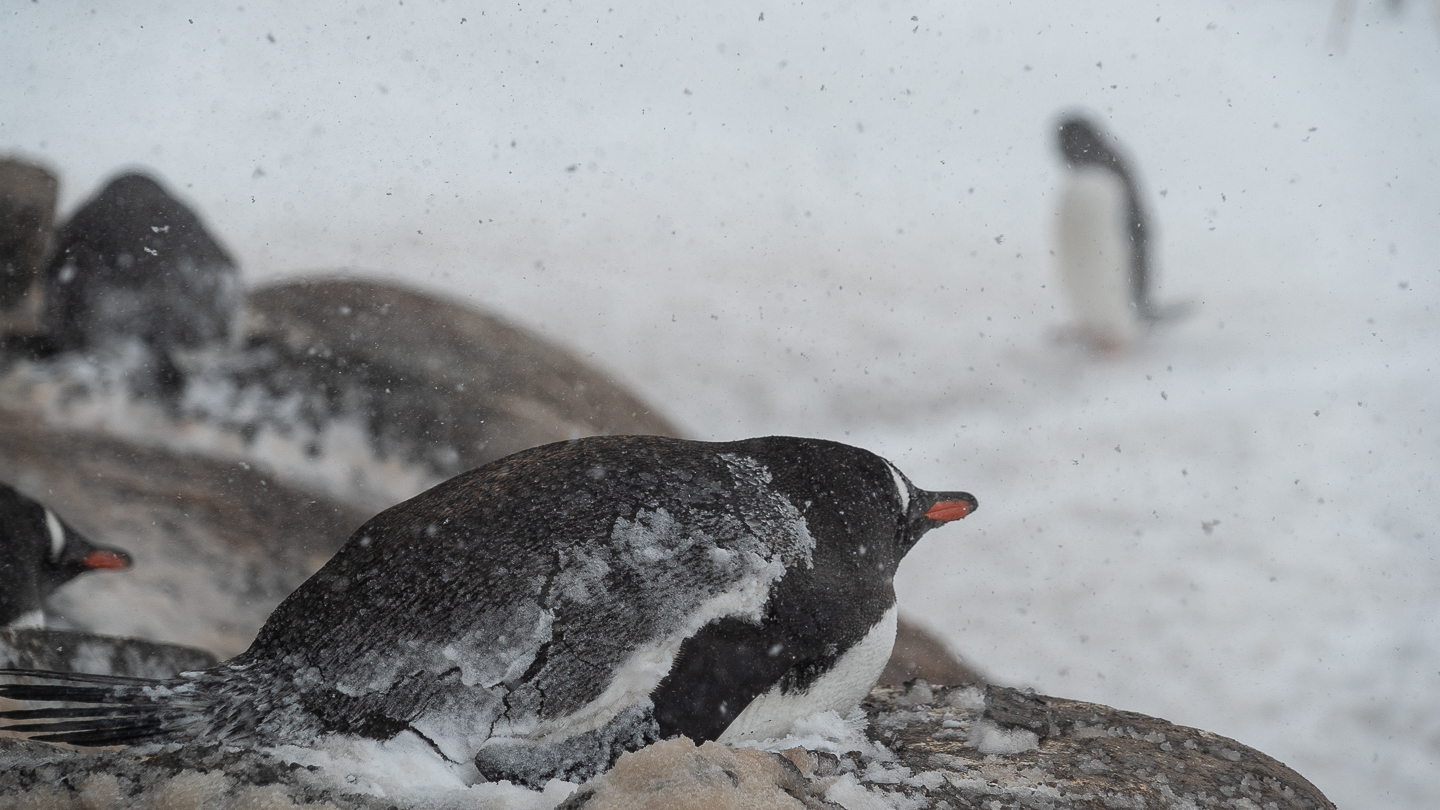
[(585, 530)]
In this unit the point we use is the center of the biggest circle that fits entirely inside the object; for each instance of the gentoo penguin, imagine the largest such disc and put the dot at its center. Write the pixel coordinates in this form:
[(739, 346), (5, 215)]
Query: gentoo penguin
[(39, 552), (540, 615), (1102, 238), (134, 263)]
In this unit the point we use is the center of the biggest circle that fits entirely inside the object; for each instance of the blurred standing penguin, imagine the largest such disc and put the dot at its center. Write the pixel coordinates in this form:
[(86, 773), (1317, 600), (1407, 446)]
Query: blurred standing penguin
[(1102, 239)]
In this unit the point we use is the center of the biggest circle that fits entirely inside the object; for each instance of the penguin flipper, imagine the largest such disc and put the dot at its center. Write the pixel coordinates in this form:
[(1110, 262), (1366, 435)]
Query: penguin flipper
[(717, 673)]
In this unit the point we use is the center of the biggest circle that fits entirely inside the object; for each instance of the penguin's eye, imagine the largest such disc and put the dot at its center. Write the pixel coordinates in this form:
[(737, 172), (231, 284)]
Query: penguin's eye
[(57, 536)]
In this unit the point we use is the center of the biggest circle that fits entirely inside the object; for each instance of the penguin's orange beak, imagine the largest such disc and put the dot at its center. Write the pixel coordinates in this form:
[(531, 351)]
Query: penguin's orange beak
[(110, 560), (946, 511)]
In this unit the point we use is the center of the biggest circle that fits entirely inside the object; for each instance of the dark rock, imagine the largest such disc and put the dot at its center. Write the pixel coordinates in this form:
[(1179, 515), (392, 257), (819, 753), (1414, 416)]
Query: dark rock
[(75, 651), (463, 378), (135, 263), (1023, 750), (27, 223)]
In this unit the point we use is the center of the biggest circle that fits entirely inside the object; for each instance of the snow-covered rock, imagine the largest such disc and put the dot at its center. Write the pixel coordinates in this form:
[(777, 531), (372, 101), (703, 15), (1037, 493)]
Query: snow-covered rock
[(76, 651), (922, 750)]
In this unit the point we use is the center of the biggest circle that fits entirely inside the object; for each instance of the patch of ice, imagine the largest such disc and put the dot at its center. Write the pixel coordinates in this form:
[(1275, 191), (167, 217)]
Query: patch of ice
[(849, 793), (824, 731), (919, 694), (406, 770), (800, 545), (930, 780), (882, 774), (971, 698), (989, 738), (30, 618)]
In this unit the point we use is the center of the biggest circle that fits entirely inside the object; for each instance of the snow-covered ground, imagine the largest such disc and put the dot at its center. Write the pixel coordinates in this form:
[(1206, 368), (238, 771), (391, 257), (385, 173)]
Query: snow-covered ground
[(834, 219)]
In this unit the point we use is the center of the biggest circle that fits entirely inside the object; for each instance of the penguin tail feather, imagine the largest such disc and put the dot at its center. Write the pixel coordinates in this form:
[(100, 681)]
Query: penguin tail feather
[(99, 710)]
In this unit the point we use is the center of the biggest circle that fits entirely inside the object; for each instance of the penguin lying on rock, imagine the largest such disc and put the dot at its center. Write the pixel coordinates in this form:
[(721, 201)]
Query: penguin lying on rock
[(540, 615), (39, 552), (1103, 240)]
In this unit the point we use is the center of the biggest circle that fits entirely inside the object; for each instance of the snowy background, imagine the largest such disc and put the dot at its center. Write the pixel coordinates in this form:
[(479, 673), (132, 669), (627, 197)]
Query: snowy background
[(834, 220)]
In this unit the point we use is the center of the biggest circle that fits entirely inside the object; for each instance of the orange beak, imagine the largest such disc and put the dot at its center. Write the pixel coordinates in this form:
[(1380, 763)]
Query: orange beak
[(106, 559), (946, 511)]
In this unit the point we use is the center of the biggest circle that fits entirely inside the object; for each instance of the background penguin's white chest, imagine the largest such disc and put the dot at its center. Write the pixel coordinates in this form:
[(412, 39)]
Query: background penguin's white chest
[(1093, 249), (841, 689)]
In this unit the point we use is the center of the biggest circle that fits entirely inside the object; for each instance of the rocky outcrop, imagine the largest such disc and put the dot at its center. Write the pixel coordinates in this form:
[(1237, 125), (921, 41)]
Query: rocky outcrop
[(76, 651), (28, 194), (972, 748), (399, 388), (923, 748), (136, 263)]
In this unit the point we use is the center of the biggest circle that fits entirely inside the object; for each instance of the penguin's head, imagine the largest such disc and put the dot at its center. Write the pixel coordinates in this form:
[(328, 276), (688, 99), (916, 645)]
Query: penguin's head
[(922, 510), (39, 552), (853, 497), (1082, 143)]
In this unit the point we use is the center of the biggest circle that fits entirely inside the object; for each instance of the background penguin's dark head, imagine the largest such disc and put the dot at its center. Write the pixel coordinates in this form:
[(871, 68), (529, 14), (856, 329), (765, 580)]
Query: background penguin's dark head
[(39, 552), (1083, 143)]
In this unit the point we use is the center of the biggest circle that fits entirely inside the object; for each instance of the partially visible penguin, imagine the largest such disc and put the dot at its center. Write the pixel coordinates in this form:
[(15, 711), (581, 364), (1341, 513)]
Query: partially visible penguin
[(1103, 239), (135, 264), (39, 552), (540, 615), (216, 544)]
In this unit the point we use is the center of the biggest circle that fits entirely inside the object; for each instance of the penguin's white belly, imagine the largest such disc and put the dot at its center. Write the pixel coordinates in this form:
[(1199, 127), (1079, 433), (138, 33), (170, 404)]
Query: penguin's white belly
[(1093, 249), (772, 714)]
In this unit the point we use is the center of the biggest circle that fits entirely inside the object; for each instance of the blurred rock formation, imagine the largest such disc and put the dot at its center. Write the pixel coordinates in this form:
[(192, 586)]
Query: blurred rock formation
[(135, 263), (75, 651), (28, 195)]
